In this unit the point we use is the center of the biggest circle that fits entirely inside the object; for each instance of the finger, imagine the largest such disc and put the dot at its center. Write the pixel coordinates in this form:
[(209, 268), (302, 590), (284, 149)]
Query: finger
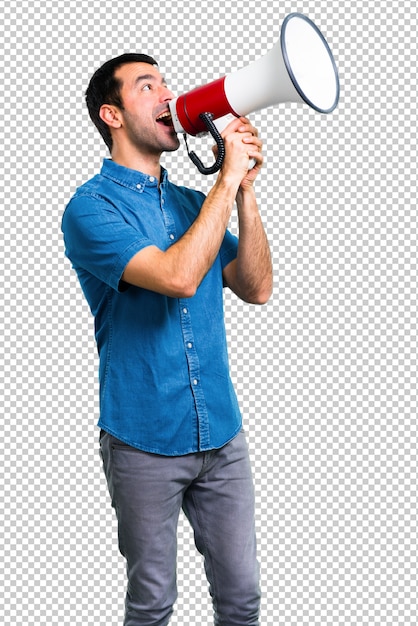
[(251, 139), (256, 154), (247, 127)]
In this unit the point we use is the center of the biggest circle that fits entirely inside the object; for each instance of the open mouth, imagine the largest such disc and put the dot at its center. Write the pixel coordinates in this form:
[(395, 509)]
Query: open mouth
[(165, 119)]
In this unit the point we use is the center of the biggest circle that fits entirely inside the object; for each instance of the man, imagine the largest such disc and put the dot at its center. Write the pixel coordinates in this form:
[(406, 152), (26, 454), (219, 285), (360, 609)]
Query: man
[(153, 259)]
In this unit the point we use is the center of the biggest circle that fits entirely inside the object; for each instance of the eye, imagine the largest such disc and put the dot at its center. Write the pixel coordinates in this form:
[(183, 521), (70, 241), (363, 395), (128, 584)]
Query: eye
[(147, 87)]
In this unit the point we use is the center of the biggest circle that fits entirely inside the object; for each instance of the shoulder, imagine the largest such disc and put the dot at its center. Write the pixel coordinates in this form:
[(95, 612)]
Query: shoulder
[(88, 199)]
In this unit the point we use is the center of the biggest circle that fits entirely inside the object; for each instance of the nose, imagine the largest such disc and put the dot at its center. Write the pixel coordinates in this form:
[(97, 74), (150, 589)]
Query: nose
[(167, 95)]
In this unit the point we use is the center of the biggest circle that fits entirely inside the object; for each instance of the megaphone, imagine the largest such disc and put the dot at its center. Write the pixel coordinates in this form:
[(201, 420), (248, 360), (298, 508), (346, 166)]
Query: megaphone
[(299, 68)]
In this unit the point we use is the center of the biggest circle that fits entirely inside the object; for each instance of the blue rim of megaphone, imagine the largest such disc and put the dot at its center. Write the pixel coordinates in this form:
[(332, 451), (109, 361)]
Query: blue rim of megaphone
[(289, 69)]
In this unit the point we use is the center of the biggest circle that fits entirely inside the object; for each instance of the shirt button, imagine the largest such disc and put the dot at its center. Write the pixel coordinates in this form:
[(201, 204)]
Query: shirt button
[(195, 381), (185, 311), (151, 179), (171, 236), (190, 345), (139, 186)]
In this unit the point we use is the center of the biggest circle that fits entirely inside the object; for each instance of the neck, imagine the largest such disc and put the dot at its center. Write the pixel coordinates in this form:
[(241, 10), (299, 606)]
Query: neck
[(149, 164)]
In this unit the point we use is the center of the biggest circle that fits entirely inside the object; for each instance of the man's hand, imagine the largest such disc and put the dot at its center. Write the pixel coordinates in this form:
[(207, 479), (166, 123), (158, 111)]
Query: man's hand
[(241, 144)]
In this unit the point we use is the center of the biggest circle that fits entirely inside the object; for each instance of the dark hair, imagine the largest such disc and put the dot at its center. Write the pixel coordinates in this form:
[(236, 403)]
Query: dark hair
[(104, 88)]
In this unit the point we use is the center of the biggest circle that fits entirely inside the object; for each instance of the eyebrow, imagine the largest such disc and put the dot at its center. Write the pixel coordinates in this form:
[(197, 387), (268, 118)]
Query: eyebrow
[(142, 77)]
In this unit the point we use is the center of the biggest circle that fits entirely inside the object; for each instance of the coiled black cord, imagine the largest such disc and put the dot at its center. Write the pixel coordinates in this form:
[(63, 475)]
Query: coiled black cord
[(207, 119)]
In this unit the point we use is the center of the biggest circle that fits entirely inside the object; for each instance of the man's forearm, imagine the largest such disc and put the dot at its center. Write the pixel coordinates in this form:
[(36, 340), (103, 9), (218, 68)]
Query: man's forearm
[(179, 270), (254, 274), (194, 254)]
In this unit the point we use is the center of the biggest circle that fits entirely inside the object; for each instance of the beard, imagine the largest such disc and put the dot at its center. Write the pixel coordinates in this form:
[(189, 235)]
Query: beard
[(153, 138)]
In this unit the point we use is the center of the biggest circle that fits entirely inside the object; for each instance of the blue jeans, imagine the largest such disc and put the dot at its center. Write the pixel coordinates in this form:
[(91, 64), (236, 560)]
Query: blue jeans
[(215, 491)]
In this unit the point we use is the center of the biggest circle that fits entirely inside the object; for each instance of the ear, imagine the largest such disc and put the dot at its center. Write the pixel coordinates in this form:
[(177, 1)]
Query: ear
[(110, 115)]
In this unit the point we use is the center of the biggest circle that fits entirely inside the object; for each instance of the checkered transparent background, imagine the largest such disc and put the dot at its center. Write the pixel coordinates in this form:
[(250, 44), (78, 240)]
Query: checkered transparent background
[(326, 373)]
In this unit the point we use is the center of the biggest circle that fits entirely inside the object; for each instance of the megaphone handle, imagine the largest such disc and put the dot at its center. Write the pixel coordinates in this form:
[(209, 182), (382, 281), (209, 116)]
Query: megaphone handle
[(207, 119)]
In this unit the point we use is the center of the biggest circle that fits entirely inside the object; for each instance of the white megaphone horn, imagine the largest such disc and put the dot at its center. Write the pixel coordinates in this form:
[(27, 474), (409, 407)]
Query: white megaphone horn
[(299, 68)]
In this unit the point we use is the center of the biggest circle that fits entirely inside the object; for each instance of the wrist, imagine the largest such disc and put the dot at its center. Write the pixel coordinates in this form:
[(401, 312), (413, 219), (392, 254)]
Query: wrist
[(246, 194), (228, 184)]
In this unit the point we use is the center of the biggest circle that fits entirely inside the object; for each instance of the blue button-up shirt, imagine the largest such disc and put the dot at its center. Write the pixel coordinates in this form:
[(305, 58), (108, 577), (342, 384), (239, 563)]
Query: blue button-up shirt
[(164, 376)]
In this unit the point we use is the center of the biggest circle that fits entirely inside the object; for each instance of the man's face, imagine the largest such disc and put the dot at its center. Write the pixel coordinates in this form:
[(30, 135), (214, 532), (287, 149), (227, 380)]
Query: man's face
[(145, 115)]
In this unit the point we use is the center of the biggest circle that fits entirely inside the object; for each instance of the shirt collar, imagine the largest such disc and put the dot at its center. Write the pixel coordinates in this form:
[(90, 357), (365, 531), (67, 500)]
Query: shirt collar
[(130, 178)]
